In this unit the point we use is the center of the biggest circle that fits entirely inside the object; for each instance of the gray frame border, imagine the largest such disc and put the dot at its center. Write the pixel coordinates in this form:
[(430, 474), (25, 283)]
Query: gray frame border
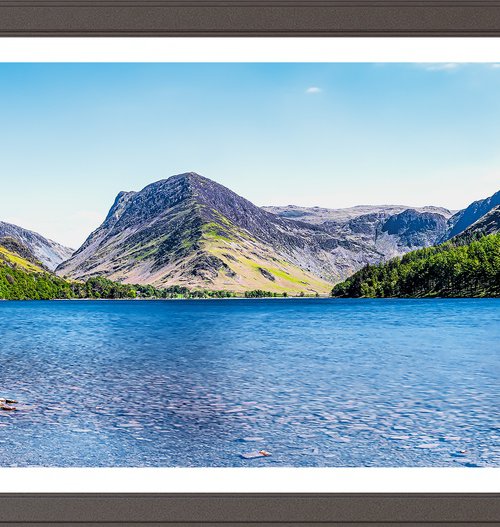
[(333, 18), (245, 510), (249, 18)]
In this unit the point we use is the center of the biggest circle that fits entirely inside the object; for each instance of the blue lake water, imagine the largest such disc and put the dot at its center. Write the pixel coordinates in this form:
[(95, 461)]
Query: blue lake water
[(315, 382)]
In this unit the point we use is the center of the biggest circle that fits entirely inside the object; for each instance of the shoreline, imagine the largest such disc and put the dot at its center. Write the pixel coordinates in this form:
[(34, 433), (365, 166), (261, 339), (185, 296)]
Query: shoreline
[(164, 299), (247, 298)]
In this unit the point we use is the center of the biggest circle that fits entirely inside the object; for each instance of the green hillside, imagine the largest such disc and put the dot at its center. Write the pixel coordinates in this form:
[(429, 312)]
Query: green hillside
[(452, 269), (22, 279)]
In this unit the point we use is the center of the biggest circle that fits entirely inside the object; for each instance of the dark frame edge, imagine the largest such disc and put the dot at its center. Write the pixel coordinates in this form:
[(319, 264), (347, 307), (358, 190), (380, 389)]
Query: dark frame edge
[(128, 18), (250, 509), (271, 18)]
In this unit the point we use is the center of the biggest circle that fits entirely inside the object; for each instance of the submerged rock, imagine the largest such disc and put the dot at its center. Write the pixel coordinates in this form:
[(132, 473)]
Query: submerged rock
[(7, 408), (255, 455), (5, 404)]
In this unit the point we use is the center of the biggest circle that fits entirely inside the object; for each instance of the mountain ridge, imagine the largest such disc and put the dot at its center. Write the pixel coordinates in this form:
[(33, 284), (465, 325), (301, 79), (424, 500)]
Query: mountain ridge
[(47, 251), (319, 215), (466, 217), (200, 232), (191, 231), (458, 268), (484, 226)]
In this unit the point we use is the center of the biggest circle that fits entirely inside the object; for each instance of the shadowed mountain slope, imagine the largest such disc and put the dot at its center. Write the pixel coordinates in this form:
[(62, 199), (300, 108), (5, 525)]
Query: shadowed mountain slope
[(48, 252), (487, 224), (466, 217)]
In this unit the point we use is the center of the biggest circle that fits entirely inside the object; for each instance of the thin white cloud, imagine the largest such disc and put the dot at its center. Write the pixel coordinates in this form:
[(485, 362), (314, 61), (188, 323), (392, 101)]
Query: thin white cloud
[(453, 66), (313, 89), (447, 66)]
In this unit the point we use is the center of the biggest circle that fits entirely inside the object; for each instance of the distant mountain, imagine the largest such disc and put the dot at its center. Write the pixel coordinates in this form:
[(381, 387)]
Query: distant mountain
[(390, 230), (22, 277), (467, 265), (191, 231), (466, 217), (487, 224), (453, 269), (319, 215), (13, 246), (48, 252), (16, 255)]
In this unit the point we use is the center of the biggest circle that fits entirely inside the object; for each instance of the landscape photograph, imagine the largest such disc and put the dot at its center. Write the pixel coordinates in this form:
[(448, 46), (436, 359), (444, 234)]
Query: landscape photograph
[(250, 265)]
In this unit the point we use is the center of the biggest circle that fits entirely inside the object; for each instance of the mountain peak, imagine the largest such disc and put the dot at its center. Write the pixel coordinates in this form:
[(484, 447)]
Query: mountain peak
[(190, 230), (192, 178)]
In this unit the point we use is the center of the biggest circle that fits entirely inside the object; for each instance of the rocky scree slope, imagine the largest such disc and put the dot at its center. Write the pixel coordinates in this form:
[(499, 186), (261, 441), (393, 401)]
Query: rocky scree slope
[(390, 230)]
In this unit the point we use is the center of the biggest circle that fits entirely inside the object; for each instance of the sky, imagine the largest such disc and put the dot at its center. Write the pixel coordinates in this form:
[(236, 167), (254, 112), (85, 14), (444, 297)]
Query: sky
[(332, 135)]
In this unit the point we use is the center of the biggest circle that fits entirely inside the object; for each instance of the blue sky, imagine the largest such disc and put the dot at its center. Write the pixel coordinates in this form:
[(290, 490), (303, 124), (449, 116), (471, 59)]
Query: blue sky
[(334, 135)]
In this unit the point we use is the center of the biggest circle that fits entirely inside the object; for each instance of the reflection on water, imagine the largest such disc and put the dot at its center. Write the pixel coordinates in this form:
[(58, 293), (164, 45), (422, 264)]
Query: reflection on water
[(314, 382)]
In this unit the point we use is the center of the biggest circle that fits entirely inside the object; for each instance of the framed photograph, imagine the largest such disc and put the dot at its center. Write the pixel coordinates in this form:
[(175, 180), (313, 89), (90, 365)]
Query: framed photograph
[(250, 276)]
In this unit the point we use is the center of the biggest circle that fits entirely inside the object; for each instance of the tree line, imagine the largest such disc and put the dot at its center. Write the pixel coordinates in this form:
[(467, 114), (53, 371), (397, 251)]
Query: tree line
[(453, 269), (18, 284)]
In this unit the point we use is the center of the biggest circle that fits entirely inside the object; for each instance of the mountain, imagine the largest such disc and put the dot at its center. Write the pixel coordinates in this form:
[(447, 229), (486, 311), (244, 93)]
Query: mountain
[(390, 230), (453, 269), (466, 217), (16, 255), (467, 265), (191, 231), (48, 252), (487, 224), (13, 246), (22, 277), (319, 215)]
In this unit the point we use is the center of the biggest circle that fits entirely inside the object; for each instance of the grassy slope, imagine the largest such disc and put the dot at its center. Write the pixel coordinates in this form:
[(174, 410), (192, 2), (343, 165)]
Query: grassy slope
[(242, 254), (23, 280), (246, 257), (11, 258)]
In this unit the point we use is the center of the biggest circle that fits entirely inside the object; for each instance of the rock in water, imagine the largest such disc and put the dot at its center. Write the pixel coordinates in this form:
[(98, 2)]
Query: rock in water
[(256, 455)]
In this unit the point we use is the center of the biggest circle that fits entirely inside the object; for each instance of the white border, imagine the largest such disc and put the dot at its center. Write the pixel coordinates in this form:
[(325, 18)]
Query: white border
[(234, 480), (250, 49), (313, 480)]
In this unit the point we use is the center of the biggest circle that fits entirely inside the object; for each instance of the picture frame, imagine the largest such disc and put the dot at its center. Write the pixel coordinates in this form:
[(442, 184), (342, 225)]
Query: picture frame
[(249, 18), (328, 18)]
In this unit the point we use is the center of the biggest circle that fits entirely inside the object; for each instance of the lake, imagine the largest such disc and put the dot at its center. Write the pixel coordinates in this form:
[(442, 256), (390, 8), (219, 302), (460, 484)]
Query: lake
[(314, 382)]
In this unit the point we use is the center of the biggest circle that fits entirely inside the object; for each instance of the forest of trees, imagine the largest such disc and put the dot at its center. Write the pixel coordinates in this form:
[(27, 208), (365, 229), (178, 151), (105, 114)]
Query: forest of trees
[(447, 270), (18, 284), (259, 293)]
